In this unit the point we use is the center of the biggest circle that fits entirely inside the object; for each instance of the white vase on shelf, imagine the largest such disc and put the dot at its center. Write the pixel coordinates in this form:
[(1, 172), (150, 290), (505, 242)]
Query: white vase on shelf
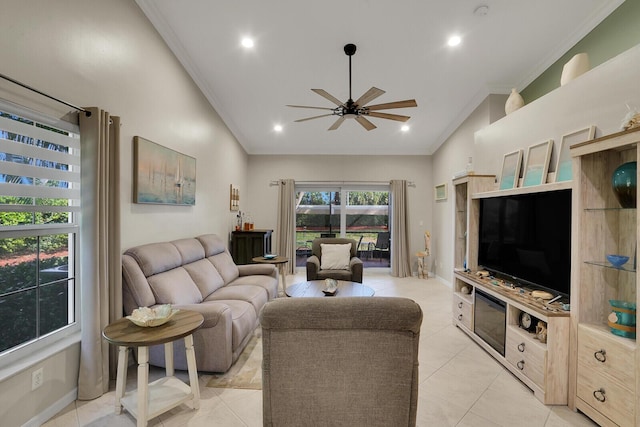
[(514, 102), (576, 66)]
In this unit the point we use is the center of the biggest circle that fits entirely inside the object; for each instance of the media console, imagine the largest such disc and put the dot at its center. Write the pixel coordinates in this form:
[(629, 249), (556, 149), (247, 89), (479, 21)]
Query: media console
[(542, 366)]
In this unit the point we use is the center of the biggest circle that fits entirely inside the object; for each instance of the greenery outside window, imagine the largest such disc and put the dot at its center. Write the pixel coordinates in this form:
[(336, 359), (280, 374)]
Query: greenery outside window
[(39, 233)]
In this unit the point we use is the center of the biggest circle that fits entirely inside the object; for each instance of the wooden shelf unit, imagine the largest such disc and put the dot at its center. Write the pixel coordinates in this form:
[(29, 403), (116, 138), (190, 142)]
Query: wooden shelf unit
[(605, 368), (466, 217), (541, 366)]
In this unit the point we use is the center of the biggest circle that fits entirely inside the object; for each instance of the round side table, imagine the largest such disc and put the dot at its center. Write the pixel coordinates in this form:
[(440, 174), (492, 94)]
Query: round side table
[(279, 262), (151, 400)]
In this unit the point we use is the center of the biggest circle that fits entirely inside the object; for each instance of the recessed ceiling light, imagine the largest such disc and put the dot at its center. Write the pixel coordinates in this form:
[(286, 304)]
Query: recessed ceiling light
[(454, 40), (405, 128), (247, 42), (277, 128)]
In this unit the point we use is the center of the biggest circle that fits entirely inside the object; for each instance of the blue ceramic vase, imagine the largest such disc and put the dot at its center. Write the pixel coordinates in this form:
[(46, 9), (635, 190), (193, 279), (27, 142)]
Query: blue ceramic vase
[(624, 184)]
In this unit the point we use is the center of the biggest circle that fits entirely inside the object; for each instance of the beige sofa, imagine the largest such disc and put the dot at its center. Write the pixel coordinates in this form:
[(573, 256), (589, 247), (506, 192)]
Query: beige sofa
[(199, 274)]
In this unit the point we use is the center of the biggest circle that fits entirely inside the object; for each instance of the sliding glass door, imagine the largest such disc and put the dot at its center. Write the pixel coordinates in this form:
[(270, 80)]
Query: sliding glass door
[(361, 214)]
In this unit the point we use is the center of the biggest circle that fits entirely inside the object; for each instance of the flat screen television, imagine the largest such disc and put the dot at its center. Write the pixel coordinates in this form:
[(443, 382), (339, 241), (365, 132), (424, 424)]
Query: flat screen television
[(526, 239)]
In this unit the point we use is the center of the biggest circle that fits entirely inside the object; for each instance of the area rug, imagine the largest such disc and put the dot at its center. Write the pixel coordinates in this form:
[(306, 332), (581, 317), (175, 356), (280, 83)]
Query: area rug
[(246, 373)]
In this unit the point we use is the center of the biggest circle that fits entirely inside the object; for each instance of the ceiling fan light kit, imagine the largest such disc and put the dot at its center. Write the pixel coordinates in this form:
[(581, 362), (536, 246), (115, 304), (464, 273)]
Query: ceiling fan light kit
[(358, 109)]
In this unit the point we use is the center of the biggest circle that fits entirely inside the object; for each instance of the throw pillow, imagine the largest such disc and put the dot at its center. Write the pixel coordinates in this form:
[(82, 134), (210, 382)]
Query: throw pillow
[(335, 257)]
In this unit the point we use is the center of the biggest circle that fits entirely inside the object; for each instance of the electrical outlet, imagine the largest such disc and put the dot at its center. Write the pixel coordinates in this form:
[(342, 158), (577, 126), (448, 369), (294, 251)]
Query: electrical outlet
[(37, 378)]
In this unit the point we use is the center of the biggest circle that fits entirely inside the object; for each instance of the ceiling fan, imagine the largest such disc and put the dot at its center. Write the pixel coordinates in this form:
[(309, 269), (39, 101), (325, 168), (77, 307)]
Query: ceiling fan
[(358, 109)]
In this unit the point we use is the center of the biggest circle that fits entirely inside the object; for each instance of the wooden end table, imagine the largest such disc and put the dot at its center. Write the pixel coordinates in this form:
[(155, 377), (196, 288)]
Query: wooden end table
[(151, 400), (279, 262), (313, 288)]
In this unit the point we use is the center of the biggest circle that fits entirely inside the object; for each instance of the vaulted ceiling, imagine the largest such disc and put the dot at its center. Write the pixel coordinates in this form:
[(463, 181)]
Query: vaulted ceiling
[(402, 48)]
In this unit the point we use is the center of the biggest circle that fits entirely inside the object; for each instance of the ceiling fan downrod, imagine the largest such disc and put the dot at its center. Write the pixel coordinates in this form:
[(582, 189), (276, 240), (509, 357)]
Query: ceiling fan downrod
[(350, 50)]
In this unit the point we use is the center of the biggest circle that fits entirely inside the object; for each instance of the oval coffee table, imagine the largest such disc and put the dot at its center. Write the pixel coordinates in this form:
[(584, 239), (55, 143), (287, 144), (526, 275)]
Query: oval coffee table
[(314, 288)]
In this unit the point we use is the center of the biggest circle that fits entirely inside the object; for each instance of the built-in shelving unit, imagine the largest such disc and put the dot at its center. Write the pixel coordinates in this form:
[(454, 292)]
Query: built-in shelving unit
[(604, 374), (466, 217), (542, 366)]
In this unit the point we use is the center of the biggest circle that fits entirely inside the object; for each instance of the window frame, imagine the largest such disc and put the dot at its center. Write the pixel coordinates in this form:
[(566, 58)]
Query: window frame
[(33, 351)]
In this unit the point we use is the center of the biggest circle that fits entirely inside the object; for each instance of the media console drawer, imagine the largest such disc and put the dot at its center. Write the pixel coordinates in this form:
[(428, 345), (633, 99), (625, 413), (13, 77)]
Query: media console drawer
[(604, 381), (463, 311), (527, 355)]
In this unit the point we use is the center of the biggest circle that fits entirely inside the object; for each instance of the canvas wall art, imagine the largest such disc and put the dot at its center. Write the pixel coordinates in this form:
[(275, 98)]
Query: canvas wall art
[(162, 175)]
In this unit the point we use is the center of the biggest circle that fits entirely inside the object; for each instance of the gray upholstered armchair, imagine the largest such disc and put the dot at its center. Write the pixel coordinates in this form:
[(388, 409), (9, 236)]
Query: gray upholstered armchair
[(351, 269), (348, 361)]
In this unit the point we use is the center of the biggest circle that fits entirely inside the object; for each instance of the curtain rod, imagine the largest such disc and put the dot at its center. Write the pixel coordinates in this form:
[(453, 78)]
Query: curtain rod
[(277, 182), (86, 112)]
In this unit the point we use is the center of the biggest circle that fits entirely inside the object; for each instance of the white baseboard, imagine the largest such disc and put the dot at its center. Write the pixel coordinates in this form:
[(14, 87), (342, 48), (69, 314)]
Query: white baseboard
[(52, 410)]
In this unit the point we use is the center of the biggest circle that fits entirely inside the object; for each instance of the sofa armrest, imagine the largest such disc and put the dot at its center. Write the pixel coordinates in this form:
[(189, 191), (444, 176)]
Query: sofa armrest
[(261, 269), (355, 265), (313, 266)]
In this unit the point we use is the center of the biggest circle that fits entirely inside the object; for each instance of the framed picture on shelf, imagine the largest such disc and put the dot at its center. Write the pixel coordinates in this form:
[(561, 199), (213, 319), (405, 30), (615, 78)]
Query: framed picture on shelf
[(537, 163), (440, 192), (564, 171), (510, 170)]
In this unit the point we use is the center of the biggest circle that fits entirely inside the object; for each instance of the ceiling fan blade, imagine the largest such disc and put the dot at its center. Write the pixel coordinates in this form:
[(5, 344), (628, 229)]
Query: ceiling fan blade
[(328, 96), (337, 124), (314, 117), (369, 96), (397, 104), (365, 123), (306, 106), (397, 117)]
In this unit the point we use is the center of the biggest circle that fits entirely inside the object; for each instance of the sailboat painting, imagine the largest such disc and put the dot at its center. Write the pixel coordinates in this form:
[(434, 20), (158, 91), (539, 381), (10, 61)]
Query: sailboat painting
[(162, 175)]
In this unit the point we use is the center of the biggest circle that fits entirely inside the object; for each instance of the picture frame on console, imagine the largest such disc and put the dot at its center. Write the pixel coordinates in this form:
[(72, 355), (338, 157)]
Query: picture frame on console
[(537, 163), (564, 170), (510, 170)]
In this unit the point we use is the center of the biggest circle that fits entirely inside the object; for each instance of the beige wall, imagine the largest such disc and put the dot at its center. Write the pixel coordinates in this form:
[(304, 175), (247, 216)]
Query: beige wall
[(106, 54), (599, 98), (450, 158), (262, 199)]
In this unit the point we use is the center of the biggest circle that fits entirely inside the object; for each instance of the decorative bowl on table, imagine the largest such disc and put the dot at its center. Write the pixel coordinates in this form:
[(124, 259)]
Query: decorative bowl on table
[(617, 260), (151, 317), (270, 256), (331, 287)]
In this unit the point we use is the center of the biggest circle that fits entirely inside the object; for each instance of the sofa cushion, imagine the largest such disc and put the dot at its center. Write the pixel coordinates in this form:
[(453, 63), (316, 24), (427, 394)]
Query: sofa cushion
[(255, 295), (335, 257), (212, 244), (205, 276), (190, 249), (225, 266), (268, 283), (156, 257), (174, 287), (244, 322), (135, 288)]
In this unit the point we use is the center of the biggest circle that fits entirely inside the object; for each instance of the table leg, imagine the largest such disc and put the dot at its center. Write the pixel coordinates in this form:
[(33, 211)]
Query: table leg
[(193, 370), (284, 278), (168, 358), (121, 376), (143, 386)]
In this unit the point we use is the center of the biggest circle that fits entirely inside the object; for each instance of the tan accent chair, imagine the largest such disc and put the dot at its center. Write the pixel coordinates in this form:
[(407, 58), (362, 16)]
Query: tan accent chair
[(314, 272), (349, 361)]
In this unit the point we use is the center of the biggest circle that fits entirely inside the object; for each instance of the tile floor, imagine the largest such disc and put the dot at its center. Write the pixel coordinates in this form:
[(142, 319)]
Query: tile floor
[(460, 384)]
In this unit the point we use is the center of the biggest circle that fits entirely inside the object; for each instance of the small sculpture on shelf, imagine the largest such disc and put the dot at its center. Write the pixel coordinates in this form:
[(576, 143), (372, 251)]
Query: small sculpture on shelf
[(541, 331)]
